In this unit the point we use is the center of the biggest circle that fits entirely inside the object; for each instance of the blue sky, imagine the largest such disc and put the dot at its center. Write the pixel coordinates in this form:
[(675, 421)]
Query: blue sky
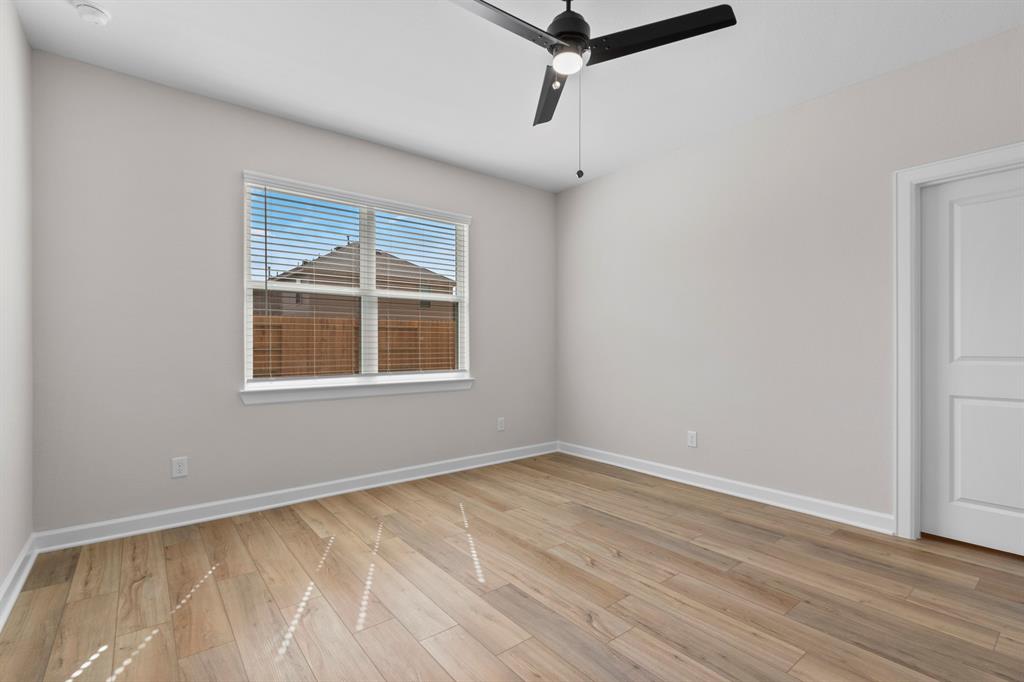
[(299, 228)]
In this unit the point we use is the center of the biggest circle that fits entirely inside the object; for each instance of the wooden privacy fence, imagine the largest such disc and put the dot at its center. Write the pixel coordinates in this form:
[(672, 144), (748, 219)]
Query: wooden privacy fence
[(285, 346)]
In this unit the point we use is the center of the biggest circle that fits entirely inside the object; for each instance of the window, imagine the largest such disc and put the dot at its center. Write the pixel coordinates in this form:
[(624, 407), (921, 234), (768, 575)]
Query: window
[(350, 295)]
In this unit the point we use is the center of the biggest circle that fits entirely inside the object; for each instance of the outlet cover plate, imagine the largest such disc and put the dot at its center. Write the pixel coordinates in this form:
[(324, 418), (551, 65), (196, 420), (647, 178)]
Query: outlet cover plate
[(179, 467)]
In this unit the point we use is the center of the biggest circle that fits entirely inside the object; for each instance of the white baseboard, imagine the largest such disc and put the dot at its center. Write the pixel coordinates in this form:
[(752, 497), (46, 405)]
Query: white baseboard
[(15, 578), (833, 511), (84, 534)]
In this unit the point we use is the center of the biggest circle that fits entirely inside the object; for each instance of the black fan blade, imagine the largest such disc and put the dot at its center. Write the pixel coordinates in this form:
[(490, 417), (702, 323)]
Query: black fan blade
[(549, 95), (615, 45), (498, 16)]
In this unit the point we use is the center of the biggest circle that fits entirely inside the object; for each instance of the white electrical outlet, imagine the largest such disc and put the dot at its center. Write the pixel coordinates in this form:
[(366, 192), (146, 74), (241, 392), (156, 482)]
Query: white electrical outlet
[(179, 467), (691, 439), (501, 423)]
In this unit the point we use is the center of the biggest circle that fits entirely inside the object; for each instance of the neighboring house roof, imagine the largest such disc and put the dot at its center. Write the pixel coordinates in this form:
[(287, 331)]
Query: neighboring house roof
[(341, 268)]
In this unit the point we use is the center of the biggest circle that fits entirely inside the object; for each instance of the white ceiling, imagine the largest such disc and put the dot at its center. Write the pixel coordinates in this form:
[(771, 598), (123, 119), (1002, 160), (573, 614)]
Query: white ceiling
[(428, 77)]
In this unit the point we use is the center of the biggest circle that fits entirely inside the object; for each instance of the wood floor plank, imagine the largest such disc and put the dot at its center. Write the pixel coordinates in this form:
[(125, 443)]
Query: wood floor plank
[(674, 543), (1010, 590), (838, 652), (331, 651), (439, 518), (562, 469), (693, 497), (285, 520), (260, 630), (562, 517), (793, 525), (28, 635), (812, 668), (172, 536), (829, 550), (417, 612), (153, 660), (581, 650), (454, 557), (481, 620), (981, 556), (51, 568), (730, 658), (466, 659), (368, 504), (1010, 647), (662, 659), (557, 595), (224, 547), (639, 509), (199, 622), (333, 578), (318, 518), (283, 575), (398, 656), (770, 650), (468, 489), (534, 662), (805, 569), (539, 536), (680, 599), (590, 552), (219, 664), (977, 607), (85, 627), (933, 654), (353, 515), (98, 570), (737, 583), (144, 602), (642, 550), (598, 591), (610, 470), (918, 566), (503, 477), (883, 606)]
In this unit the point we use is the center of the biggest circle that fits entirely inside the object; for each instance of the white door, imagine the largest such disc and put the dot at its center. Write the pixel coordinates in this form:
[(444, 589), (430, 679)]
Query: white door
[(972, 372)]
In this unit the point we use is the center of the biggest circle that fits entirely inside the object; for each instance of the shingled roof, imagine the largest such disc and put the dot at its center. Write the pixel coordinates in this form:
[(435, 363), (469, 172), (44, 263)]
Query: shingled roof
[(340, 267)]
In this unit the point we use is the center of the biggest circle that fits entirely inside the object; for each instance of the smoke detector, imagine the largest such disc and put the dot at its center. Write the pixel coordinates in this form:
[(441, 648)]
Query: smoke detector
[(91, 12)]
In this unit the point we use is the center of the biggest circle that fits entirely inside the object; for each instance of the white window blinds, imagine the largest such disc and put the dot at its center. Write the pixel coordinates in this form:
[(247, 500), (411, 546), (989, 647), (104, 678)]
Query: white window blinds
[(340, 285)]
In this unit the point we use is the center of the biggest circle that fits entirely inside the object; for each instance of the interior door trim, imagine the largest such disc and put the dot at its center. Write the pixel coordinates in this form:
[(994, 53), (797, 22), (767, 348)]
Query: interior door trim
[(907, 186)]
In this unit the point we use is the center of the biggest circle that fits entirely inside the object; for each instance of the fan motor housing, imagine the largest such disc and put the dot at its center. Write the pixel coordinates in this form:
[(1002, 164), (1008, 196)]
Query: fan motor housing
[(572, 28)]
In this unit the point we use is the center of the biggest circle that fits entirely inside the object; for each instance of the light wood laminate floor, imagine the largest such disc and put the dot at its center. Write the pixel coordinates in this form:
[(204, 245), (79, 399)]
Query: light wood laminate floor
[(551, 568)]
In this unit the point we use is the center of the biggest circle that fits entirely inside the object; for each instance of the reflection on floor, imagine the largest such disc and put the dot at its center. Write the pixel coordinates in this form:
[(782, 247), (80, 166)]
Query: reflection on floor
[(552, 568)]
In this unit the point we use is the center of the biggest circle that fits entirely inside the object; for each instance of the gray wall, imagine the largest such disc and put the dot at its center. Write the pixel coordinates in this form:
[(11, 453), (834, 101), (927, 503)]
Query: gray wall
[(743, 287), (138, 304), (15, 292)]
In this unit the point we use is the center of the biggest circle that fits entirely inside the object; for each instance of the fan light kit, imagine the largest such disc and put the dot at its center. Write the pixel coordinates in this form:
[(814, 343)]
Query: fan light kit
[(569, 42), (567, 62), (91, 12)]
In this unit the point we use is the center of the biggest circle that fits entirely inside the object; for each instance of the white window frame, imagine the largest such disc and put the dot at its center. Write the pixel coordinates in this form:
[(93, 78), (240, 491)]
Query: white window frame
[(368, 382)]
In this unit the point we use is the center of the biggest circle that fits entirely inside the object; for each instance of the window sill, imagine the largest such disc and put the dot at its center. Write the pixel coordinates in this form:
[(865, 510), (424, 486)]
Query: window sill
[(289, 391)]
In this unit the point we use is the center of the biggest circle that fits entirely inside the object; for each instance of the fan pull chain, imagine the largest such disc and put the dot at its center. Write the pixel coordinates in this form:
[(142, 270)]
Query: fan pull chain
[(579, 131)]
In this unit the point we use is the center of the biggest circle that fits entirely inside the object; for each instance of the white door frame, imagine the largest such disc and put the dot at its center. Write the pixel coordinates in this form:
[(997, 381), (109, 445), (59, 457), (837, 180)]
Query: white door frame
[(907, 186)]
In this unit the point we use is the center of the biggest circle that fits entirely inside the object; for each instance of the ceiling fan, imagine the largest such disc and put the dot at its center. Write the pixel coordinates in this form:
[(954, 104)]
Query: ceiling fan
[(569, 42)]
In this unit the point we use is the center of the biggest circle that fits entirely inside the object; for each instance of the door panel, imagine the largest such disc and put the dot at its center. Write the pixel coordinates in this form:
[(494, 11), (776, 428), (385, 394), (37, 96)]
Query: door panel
[(988, 278), (972, 258), (987, 442)]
